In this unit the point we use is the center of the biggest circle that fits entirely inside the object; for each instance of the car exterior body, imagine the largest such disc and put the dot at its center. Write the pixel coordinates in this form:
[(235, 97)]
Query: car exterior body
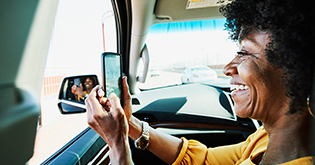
[(198, 74), (154, 72)]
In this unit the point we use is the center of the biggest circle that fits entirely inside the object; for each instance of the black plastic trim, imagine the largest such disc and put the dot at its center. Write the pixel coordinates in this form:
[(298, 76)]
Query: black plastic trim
[(122, 11)]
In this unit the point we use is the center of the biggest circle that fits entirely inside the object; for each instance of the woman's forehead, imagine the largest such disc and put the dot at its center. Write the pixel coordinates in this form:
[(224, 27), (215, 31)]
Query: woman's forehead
[(255, 38)]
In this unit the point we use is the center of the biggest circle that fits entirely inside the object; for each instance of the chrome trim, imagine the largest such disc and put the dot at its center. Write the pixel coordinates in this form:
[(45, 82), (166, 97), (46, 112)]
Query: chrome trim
[(72, 103), (174, 131), (98, 155)]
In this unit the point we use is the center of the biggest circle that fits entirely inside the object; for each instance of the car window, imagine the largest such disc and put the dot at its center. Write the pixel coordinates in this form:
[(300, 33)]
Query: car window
[(75, 49), (200, 69), (174, 47)]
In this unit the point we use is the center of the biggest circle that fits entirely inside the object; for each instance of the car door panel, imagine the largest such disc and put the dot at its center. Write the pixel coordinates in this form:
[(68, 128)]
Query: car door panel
[(81, 150)]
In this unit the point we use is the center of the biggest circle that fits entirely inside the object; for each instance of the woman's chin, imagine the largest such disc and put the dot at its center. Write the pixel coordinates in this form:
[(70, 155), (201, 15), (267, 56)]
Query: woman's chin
[(242, 111)]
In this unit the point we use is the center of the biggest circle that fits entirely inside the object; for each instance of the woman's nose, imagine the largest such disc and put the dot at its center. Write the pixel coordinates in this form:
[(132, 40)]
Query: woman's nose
[(231, 68)]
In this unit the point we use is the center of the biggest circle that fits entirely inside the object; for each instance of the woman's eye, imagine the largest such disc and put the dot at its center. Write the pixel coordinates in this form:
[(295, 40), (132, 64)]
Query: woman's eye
[(242, 55)]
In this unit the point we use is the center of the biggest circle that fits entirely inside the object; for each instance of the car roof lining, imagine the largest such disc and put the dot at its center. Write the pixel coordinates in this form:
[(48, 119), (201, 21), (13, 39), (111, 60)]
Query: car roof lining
[(175, 11)]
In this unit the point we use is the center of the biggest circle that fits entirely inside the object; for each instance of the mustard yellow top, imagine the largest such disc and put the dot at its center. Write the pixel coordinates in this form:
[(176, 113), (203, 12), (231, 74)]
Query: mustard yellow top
[(244, 153), (80, 98)]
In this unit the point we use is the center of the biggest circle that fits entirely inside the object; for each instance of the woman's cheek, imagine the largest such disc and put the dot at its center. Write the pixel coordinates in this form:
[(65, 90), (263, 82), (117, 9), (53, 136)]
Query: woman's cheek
[(243, 71), (249, 71), (246, 103)]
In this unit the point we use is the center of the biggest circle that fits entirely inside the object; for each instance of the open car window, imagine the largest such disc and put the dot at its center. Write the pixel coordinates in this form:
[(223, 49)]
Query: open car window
[(75, 49)]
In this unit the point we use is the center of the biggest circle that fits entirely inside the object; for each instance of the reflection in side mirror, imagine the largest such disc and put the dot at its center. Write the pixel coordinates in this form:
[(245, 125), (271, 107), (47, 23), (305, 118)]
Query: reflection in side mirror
[(73, 92)]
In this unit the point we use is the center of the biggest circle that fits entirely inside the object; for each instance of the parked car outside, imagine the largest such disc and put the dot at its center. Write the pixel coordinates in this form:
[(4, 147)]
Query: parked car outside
[(198, 74), (155, 72)]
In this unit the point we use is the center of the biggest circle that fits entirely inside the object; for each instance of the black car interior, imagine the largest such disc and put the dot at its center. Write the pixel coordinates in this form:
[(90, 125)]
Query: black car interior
[(163, 114)]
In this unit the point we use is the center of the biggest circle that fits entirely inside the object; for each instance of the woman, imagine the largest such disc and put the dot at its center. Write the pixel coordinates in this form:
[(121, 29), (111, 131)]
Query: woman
[(81, 94), (274, 65)]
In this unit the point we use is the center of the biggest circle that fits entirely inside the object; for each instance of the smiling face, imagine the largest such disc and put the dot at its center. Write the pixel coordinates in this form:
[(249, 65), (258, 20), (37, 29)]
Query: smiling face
[(88, 84), (258, 91)]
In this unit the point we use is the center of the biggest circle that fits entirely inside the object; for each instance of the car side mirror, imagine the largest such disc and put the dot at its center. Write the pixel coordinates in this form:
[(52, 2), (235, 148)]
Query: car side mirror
[(73, 91)]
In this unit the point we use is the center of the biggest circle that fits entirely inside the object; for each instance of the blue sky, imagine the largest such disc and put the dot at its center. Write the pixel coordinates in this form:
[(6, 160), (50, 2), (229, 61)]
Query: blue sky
[(217, 24)]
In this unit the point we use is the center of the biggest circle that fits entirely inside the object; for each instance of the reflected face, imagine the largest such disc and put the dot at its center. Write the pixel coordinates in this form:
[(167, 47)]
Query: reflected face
[(88, 84), (256, 84)]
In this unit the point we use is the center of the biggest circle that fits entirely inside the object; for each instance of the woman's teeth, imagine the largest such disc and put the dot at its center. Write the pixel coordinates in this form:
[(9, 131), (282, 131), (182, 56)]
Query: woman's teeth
[(238, 87)]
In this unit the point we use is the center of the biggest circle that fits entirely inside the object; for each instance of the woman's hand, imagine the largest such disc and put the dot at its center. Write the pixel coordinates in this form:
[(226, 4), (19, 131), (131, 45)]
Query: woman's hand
[(106, 116), (135, 125), (108, 119), (112, 123), (127, 99), (77, 90)]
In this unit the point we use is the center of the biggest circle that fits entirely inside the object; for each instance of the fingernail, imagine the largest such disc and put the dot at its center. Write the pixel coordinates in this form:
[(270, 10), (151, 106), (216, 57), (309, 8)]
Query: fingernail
[(100, 92), (113, 95)]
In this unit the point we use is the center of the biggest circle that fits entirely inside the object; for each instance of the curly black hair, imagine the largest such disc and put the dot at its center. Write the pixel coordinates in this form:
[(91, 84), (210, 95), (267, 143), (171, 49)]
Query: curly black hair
[(292, 39)]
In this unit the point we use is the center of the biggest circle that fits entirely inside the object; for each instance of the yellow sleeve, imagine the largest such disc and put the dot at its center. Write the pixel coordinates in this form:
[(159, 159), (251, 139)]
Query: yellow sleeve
[(192, 152), (226, 155), (81, 98)]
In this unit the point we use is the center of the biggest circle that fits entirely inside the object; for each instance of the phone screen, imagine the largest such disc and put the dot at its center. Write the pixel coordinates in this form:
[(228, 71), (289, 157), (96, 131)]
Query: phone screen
[(77, 82), (112, 74)]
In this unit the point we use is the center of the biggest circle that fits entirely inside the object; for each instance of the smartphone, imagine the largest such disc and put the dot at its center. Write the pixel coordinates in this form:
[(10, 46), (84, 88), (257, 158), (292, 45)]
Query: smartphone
[(112, 74), (77, 82)]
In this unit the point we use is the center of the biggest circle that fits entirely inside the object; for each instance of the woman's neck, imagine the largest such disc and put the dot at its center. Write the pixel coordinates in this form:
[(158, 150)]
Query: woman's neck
[(289, 138)]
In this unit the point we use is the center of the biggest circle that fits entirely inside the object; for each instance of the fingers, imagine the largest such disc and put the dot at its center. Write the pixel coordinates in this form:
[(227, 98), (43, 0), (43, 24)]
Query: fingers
[(90, 119), (96, 103), (115, 102), (73, 88), (93, 105), (103, 100), (100, 91), (110, 123), (100, 95), (93, 92), (127, 97)]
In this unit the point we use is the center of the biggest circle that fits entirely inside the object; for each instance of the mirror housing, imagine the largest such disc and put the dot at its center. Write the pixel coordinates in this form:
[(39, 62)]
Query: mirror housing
[(73, 91)]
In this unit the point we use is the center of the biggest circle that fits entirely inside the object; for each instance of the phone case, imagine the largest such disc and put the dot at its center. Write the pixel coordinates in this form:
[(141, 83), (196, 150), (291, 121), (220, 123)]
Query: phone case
[(112, 74)]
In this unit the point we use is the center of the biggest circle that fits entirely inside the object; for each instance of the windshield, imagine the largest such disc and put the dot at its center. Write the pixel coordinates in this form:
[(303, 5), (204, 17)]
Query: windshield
[(200, 69), (178, 50)]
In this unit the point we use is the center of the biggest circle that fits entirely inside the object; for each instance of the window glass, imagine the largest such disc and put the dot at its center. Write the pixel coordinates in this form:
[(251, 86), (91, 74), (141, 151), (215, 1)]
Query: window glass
[(109, 31), (75, 49), (178, 49)]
